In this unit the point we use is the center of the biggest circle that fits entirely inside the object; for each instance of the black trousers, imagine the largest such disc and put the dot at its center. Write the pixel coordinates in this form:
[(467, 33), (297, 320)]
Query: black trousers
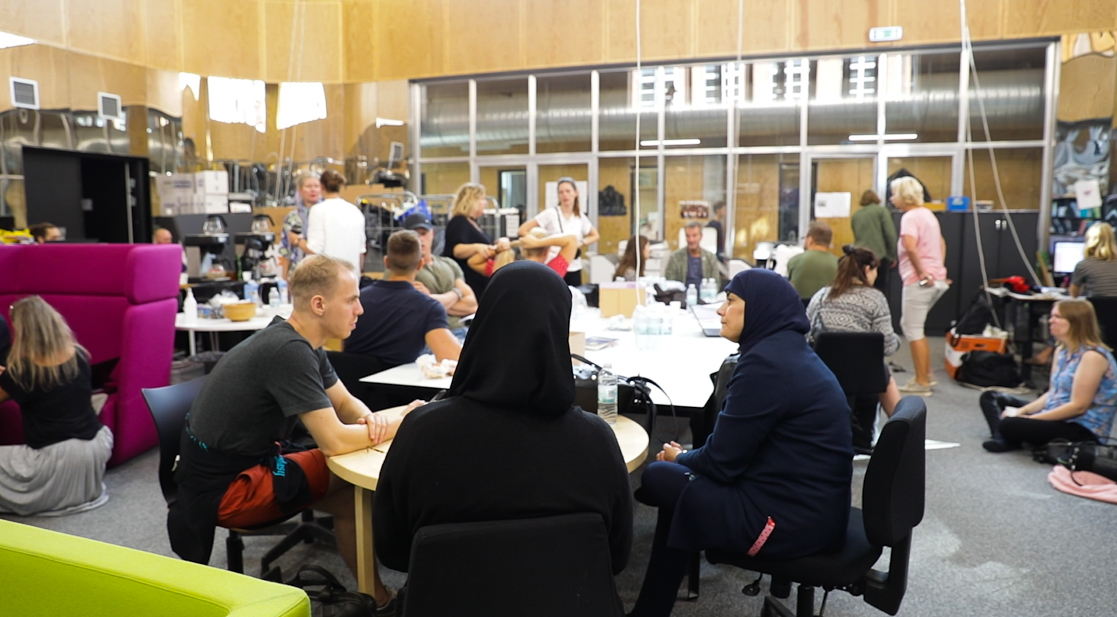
[(1018, 430), (660, 486), (884, 272), (573, 278)]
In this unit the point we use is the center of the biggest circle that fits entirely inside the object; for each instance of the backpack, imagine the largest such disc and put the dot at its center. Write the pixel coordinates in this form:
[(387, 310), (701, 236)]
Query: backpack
[(988, 368), (976, 317)]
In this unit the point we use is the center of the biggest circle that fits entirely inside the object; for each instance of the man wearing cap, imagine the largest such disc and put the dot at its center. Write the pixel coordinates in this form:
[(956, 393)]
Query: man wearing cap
[(399, 321), (441, 277)]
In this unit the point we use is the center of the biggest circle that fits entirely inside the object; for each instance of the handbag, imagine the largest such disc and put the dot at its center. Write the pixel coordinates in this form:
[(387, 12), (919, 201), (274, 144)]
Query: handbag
[(1099, 458), (988, 368), (328, 597)]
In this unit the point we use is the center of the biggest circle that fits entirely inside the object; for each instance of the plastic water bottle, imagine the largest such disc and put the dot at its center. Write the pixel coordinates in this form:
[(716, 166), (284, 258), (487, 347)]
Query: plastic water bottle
[(708, 291), (252, 292), (607, 394), (190, 306), (691, 295), (281, 286), (640, 326)]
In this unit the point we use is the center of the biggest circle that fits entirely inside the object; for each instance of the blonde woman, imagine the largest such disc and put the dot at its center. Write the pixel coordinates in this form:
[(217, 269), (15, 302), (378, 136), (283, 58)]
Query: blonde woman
[(1096, 275), (569, 217), (61, 467), (465, 239), (1082, 398), (922, 251)]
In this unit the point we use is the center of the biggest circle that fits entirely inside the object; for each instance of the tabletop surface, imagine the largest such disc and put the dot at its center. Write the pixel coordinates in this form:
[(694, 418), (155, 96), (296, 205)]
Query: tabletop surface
[(681, 363), (259, 322), (362, 468)]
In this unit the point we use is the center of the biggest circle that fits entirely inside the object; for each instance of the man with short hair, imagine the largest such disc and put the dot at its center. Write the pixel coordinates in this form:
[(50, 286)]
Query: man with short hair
[(441, 278), (816, 266), (232, 471), (399, 320), (693, 263), (162, 235)]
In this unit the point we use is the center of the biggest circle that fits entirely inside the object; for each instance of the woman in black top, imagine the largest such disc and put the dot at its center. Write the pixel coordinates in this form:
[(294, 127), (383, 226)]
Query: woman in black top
[(62, 465), (464, 237), (500, 447)]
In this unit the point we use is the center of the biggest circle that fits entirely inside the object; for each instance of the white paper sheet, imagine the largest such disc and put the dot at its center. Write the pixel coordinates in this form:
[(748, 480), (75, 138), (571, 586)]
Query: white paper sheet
[(832, 205)]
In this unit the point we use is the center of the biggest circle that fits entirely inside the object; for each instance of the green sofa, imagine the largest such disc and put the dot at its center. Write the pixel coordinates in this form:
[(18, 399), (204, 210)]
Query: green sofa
[(48, 573)]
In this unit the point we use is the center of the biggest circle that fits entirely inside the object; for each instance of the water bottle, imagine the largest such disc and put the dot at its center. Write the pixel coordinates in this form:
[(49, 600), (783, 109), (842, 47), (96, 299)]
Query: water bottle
[(252, 292), (607, 394), (708, 293), (190, 306), (273, 297), (281, 286), (691, 295), (640, 325)]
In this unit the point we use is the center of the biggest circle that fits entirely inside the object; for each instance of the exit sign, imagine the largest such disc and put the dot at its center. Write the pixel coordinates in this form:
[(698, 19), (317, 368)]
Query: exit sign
[(885, 34)]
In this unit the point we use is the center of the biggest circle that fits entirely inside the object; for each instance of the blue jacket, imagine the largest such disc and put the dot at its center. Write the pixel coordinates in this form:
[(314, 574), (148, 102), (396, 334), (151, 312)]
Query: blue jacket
[(781, 448)]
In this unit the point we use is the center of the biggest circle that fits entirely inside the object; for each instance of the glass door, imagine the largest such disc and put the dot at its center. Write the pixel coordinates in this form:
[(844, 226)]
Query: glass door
[(836, 187)]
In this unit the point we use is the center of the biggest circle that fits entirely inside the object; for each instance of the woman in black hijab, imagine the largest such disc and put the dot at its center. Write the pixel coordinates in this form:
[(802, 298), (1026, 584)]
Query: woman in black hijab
[(774, 477), (500, 446)]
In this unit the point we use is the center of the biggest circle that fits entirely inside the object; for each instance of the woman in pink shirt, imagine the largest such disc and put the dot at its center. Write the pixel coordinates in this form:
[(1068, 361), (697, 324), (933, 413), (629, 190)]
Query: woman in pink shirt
[(922, 251)]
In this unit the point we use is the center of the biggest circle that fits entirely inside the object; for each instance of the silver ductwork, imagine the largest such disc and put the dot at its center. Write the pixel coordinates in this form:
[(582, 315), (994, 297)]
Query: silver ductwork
[(1013, 101)]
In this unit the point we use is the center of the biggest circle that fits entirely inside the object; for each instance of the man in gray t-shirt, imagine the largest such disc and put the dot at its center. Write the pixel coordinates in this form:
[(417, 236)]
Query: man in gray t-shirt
[(250, 402), (441, 277)]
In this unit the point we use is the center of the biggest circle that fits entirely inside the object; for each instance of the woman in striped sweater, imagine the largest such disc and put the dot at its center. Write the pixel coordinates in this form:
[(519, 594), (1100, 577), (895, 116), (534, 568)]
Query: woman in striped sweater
[(852, 304)]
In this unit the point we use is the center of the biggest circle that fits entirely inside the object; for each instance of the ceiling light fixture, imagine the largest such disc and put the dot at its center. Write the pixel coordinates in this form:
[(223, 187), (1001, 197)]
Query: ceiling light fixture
[(653, 143), (887, 137)]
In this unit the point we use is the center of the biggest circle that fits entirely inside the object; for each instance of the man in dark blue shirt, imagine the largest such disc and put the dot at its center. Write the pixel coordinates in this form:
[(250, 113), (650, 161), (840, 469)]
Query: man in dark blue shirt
[(399, 320)]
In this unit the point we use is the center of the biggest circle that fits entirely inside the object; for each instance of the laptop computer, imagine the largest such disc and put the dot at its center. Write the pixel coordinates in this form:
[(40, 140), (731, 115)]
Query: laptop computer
[(708, 318)]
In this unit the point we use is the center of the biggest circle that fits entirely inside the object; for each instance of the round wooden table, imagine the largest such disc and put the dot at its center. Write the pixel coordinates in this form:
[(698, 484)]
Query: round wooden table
[(362, 470)]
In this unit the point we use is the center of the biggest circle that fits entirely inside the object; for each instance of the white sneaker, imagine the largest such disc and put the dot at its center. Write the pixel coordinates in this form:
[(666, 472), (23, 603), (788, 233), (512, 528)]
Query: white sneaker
[(914, 387)]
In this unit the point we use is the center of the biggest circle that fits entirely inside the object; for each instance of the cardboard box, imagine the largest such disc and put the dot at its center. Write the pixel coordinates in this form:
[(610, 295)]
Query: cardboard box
[(211, 204), (577, 345), (620, 298), (176, 193), (211, 182), (958, 345)]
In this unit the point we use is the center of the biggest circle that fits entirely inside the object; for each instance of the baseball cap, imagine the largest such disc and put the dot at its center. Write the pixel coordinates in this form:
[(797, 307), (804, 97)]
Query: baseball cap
[(417, 221)]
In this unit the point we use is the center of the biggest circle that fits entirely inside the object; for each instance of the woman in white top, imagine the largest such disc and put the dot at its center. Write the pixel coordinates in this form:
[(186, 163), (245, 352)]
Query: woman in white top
[(335, 227), (567, 218)]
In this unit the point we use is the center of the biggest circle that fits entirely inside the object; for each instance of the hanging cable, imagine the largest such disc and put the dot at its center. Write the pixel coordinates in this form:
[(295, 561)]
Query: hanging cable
[(967, 46), (636, 185)]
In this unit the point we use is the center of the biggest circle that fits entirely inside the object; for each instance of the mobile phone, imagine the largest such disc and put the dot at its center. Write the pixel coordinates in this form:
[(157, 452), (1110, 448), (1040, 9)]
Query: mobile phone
[(439, 396)]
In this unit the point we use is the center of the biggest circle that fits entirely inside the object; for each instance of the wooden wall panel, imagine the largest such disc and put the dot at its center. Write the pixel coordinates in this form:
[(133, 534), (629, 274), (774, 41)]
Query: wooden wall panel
[(414, 42), (90, 75), (716, 28), (843, 176), (43, 63), (111, 28), (362, 43), (162, 29), (1086, 88), (665, 29), (564, 32), (756, 218), (929, 22), (309, 50), (1043, 17), (164, 92), (39, 20), (483, 36), (222, 38), (832, 24), (613, 229)]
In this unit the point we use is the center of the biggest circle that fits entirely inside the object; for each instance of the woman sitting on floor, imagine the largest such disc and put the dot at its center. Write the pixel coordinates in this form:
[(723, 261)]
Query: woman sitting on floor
[(1082, 398), (773, 480), (852, 304), (61, 467), (508, 443)]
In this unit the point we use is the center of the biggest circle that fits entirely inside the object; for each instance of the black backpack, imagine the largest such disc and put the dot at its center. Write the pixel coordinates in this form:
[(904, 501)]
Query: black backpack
[(976, 317), (988, 368)]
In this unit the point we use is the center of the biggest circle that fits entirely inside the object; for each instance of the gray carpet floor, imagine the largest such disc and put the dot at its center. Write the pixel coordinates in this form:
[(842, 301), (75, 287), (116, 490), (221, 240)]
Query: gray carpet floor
[(996, 539)]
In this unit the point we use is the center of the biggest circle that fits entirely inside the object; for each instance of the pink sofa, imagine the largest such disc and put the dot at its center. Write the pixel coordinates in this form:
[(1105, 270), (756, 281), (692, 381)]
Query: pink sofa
[(120, 300)]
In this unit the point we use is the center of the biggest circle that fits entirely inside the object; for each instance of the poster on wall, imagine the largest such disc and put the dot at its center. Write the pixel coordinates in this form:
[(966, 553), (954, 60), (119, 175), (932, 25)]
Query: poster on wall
[(583, 190), (694, 209), (832, 205)]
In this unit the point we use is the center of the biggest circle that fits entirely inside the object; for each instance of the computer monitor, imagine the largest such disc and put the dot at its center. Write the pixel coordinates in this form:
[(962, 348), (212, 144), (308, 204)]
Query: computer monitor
[(1066, 255)]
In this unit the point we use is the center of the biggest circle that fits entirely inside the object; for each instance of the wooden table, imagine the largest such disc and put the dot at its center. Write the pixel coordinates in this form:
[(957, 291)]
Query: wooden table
[(362, 470), (681, 363)]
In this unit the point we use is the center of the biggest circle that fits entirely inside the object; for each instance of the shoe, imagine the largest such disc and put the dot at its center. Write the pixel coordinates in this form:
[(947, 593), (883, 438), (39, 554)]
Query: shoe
[(999, 445), (388, 609), (914, 387), (933, 382)]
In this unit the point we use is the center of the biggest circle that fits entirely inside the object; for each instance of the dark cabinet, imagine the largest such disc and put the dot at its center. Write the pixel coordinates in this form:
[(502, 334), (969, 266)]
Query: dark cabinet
[(963, 262)]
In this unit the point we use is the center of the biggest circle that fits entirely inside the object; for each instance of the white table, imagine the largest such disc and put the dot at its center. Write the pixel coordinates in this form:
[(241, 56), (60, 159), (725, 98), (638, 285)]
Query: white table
[(213, 326), (681, 364), (362, 470)]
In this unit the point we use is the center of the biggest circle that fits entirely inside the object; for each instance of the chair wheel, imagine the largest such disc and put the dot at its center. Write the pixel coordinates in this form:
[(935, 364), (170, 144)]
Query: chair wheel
[(751, 590)]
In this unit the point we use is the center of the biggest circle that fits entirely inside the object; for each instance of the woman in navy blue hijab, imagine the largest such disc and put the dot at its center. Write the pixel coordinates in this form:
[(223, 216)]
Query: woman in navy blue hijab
[(773, 479)]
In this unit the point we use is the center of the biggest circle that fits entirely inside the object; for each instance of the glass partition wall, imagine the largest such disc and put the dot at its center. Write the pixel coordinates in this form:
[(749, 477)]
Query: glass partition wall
[(664, 144)]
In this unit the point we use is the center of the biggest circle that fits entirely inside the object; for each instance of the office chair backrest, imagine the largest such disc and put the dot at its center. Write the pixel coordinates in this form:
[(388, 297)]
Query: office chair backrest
[(893, 493), (351, 367), (550, 566), (1106, 309), (168, 406), (856, 359)]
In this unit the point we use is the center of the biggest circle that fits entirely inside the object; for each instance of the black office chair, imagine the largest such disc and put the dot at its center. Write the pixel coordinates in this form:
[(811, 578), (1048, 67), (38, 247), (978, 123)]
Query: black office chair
[(552, 566), (857, 360), (169, 406), (891, 506), (1106, 309), (351, 367)]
